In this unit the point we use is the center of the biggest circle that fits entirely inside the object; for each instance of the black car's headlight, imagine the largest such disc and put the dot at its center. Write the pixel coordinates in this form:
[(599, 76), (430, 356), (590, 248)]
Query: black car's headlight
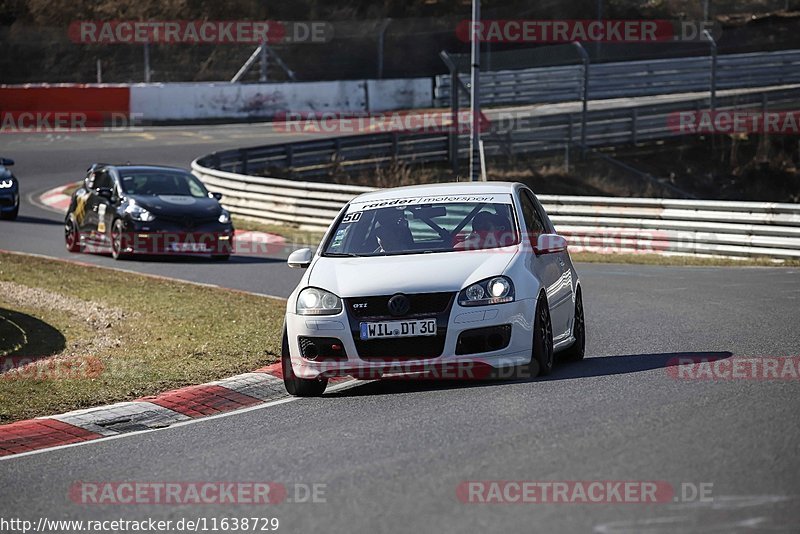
[(138, 213), (495, 290), (315, 301), (224, 217)]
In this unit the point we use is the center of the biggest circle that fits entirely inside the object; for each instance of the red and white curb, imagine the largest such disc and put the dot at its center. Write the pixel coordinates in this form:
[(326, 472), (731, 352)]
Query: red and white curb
[(160, 411), (56, 199)]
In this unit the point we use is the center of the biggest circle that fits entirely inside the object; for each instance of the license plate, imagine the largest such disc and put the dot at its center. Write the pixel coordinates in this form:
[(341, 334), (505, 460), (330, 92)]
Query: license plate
[(189, 247), (390, 329)]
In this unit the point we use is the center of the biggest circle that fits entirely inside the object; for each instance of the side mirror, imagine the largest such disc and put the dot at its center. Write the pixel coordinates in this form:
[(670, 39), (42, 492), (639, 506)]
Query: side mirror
[(6, 162), (549, 244), (218, 196), (105, 192), (300, 259)]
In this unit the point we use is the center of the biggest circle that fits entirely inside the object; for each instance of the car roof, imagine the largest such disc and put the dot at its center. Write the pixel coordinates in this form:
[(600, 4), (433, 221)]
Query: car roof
[(449, 188), (141, 167)]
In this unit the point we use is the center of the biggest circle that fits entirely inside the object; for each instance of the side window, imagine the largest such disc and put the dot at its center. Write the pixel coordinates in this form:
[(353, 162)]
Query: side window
[(534, 226)]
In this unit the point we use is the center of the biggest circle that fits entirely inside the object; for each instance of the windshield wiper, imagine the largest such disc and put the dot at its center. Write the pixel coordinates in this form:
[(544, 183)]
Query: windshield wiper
[(343, 255)]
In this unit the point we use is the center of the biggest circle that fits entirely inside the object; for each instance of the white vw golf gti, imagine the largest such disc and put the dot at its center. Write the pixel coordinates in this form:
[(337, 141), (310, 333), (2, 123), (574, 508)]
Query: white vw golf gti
[(414, 279)]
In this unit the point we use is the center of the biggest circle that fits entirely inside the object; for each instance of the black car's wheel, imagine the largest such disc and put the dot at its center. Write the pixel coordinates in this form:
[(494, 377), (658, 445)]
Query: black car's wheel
[(10, 215), (72, 235), (577, 350), (118, 241), (542, 359), (299, 387)]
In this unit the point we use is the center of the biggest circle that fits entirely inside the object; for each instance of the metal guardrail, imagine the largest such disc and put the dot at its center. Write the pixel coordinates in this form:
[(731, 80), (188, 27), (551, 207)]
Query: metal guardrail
[(594, 224), (630, 78)]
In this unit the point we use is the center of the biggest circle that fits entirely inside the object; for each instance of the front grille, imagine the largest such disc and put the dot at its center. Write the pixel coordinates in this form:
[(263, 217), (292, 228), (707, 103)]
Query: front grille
[(421, 304), (188, 222), (409, 348), (6, 201), (433, 305)]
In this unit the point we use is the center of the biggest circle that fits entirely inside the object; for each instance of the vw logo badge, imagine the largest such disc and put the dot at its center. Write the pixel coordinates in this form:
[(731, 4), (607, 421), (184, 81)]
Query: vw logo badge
[(399, 305)]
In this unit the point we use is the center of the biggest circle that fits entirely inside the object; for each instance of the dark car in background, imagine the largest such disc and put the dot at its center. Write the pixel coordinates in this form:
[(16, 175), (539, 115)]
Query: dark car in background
[(146, 209), (9, 191)]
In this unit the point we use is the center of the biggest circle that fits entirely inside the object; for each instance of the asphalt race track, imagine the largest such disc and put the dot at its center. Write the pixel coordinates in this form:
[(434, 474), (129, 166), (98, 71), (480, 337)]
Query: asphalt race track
[(392, 454)]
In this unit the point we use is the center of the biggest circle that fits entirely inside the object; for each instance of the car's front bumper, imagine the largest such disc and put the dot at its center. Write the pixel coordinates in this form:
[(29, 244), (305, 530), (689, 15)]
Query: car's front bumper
[(450, 362), (160, 239)]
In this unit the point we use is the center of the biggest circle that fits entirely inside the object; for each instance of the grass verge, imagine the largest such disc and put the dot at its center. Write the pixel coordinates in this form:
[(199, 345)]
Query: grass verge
[(142, 335), (302, 238)]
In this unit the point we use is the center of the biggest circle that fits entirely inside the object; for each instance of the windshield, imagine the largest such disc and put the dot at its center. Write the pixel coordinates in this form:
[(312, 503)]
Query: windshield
[(375, 229), (161, 182)]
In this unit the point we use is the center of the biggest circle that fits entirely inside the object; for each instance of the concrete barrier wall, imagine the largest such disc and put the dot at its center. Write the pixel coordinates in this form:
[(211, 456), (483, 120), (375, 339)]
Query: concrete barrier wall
[(221, 100), (190, 101)]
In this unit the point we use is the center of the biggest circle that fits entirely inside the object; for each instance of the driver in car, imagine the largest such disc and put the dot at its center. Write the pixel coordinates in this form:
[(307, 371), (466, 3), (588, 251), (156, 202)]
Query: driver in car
[(392, 233)]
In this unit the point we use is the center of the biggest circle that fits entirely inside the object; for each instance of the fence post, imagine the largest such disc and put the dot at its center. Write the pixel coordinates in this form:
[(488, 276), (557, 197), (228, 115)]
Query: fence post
[(452, 135), (634, 121), (146, 62), (713, 89), (263, 62), (585, 93)]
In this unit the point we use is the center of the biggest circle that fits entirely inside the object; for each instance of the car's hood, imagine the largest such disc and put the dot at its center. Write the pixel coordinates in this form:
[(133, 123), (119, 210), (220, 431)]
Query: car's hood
[(416, 273), (177, 205)]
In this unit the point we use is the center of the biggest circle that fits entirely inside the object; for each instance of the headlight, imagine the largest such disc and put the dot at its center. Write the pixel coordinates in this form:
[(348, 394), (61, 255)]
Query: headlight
[(494, 290), (314, 301), (5, 184), (224, 217), (138, 213)]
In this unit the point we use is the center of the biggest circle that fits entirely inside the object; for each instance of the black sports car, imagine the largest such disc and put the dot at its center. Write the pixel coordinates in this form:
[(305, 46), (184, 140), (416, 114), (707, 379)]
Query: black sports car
[(146, 209), (9, 191)]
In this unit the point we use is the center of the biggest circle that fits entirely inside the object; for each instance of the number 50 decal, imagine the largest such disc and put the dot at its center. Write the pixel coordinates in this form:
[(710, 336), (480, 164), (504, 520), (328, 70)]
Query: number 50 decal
[(352, 217)]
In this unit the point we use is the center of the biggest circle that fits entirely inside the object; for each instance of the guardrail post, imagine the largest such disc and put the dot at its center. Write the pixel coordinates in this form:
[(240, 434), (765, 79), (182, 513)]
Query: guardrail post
[(452, 135), (289, 155), (395, 145), (634, 121), (243, 159)]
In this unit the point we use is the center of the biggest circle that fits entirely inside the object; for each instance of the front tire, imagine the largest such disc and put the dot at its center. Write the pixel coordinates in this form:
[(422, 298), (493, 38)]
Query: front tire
[(577, 350), (118, 241), (72, 236), (542, 356), (11, 215), (298, 387)]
